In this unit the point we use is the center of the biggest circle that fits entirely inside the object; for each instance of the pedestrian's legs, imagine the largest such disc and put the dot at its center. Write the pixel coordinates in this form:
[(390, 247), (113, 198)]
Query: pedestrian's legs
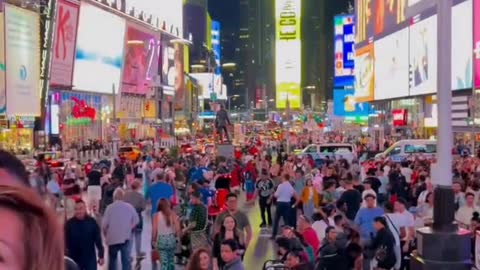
[(125, 252), (138, 242), (281, 211), (91, 264), (112, 256), (263, 208), (226, 133), (268, 208), (292, 213)]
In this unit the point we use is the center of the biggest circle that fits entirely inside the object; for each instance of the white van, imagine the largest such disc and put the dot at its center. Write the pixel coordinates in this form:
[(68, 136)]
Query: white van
[(405, 148), (332, 150)]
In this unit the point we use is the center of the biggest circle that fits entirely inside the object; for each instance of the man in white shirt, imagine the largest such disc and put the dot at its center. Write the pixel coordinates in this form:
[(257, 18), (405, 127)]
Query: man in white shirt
[(465, 213), (406, 221), (407, 172), (284, 194)]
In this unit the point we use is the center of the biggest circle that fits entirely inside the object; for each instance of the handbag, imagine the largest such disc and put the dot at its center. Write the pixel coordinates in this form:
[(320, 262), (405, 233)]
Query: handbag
[(155, 255)]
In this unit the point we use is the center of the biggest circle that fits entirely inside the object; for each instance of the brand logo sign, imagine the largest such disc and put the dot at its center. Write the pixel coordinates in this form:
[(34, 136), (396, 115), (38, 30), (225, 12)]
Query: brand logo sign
[(63, 51), (400, 117)]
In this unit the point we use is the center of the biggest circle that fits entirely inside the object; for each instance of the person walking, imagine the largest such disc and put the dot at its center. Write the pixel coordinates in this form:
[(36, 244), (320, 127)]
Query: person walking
[(221, 122), (284, 194), (136, 199), (82, 235), (165, 231), (118, 222), (265, 189)]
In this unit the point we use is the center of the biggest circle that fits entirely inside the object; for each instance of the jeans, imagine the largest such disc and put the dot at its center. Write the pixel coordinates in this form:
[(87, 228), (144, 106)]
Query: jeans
[(124, 255), (137, 238), (87, 264), (283, 211), (265, 207)]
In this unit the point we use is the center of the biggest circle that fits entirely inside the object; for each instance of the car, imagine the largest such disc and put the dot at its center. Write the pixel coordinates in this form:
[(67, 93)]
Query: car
[(132, 153), (332, 150)]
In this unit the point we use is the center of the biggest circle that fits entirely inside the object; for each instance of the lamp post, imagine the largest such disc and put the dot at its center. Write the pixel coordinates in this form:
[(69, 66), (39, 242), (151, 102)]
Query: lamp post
[(444, 245)]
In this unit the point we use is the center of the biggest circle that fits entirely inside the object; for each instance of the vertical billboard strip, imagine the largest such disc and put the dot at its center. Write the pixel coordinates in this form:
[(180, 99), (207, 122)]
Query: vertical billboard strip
[(63, 51), (3, 100), (288, 68), (344, 50), (142, 49), (476, 41), (22, 51)]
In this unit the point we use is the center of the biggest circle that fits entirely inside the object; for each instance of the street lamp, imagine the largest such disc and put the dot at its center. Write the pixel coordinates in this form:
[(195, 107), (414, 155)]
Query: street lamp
[(444, 245)]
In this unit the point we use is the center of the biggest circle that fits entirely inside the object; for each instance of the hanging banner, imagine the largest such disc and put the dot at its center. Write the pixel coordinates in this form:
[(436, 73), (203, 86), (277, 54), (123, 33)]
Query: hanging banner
[(142, 50), (22, 50), (476, 41), (63, 51)]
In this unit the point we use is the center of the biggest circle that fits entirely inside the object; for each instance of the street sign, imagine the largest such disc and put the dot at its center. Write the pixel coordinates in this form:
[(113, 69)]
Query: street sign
[(213, 96)]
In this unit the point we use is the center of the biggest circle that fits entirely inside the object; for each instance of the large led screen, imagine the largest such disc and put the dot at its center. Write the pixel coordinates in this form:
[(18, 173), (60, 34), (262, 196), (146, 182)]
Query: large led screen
[(99, 55), (461, 44), (423, 56), (476, 41), (22, 51), (142, 49), (364, 73), (344, 50), (288, 68), (345, 104), (378, 17), (391, 66)]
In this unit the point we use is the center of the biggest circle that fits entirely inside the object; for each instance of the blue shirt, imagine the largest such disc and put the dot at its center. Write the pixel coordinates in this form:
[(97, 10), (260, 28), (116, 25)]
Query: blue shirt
[(206, 193), (364, 220), (158, 191)]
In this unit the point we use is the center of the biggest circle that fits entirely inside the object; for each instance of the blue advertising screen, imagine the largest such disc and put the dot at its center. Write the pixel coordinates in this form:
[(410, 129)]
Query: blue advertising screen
[(344, 46), (344, 104), (216, 47)]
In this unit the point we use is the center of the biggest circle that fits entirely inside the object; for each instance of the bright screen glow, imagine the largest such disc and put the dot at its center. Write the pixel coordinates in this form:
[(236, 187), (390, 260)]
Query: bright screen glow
[(461, 42), (391, 66), (54, 119), (364, 73), (288, 68), (423, 57), (99, 55)]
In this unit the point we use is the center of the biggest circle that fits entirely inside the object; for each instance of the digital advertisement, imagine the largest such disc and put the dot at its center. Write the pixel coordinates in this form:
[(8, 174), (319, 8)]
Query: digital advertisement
[(167, 61), (423, 56), (206, 82), (365, 73), (142, 49), (63, 51), (344, 104), (180, 92), (22, 50), (216, 47), (3, 100), (391, 66), (99, 54), (288, 49), (344, 50), (461, 40), (476, 40)]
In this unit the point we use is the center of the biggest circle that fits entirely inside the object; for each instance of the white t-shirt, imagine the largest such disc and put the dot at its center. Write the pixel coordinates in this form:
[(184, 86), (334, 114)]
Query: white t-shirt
[(320, 226), (407, 172), (285, 192), (405, 220)]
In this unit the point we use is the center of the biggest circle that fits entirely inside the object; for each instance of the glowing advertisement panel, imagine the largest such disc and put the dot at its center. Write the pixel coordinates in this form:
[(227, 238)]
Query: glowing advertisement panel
[(378, 17), (3, 101), (344, 50), (461, 40), (288, 49), (99, 55), (344, 104), (476, 41), (364, 73), (391, 66), (142, 49), (63, 51), (423, 56), (22, 50)]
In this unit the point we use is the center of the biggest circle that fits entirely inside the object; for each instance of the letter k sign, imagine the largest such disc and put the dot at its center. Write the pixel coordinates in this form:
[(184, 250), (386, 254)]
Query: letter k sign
[(62, 32)]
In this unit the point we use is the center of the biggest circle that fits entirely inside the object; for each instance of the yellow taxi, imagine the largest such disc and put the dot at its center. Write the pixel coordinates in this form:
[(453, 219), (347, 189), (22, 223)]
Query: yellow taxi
[(132, 153)]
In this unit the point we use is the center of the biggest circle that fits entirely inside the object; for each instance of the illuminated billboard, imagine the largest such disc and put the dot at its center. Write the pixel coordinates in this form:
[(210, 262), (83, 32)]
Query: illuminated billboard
[(364, 73), (345, 104), (99, 55), (461, 40), (476, 41), (344, 50), (288, 49)]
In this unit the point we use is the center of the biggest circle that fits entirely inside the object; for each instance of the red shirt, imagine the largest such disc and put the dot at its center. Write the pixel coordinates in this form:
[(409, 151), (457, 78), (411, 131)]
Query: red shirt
[(310, 236)]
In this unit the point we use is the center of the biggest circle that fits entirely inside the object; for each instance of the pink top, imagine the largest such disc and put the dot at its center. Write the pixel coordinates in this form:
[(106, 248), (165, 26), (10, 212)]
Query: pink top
[(310, 236)]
